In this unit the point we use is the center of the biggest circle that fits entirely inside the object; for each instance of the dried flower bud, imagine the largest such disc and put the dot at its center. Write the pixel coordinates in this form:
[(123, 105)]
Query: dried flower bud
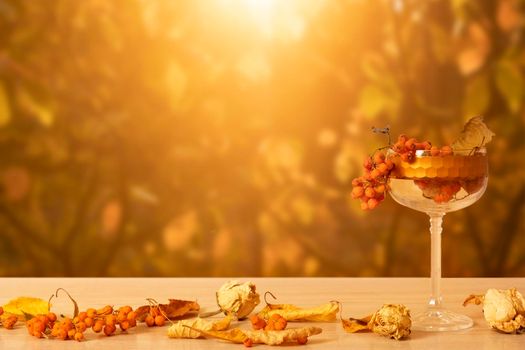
[(504, 309), (237, 298), (391, 321)]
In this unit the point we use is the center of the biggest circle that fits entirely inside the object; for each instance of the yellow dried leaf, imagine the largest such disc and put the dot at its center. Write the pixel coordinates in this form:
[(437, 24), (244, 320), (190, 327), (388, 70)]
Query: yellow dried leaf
[(183, 328), (26, 305), (290, 335), (175, 309), (322, 313), (354, 325), (475, 134)]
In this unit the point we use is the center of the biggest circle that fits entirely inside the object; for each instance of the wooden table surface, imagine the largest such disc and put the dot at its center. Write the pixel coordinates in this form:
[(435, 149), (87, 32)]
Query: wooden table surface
[(359, 296)]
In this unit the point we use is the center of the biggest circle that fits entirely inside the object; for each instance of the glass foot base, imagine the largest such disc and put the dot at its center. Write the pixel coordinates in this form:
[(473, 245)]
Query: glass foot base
[(440, 320)]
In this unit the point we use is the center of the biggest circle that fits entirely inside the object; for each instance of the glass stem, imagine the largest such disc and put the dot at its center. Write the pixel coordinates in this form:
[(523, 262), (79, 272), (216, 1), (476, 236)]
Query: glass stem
[(436, 221)]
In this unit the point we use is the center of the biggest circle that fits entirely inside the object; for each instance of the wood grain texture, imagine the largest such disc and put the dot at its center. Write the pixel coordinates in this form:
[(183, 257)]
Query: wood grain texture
[(359, 296)]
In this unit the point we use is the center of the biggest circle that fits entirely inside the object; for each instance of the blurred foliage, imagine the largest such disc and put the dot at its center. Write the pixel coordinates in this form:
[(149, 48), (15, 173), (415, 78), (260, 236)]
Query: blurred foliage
[(219, 137)]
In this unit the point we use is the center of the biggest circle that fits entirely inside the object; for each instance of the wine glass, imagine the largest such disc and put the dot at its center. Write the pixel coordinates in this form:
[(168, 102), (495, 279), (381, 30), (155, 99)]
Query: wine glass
[(437, 185)]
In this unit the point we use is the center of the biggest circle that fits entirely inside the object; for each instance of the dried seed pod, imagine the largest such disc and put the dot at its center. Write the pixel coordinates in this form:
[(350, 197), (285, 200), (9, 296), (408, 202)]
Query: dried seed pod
[(503, 309), (237, 298)]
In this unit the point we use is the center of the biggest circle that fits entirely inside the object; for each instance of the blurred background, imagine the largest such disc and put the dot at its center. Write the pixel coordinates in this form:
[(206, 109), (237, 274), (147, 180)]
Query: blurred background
[(220, 137)]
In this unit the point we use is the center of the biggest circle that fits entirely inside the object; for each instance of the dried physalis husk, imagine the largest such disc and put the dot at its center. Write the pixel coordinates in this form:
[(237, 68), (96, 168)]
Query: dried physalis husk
[(503, 309), (475, 134), (391, 320), (237, 298)]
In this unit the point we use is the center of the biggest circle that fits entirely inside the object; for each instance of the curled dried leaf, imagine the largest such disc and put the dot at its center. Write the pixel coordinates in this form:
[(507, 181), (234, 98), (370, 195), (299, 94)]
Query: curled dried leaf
[(185, 328), (475, 134), (322, 313), (390, 320), (503, 309), (174, 309), (236, 335), (237, 298)]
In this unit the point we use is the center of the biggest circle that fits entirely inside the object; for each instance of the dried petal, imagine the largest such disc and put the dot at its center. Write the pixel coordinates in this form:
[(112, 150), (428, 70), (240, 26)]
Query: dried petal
[(237, 298)]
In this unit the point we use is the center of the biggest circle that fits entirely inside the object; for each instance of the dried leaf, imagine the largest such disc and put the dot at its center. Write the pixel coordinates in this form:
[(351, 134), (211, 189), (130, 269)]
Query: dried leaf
[(236, 335), (353, 325), (75, 304), (322, 313), (26, 305), (475, 134), (184, 328), (503, 309), (175, 309)]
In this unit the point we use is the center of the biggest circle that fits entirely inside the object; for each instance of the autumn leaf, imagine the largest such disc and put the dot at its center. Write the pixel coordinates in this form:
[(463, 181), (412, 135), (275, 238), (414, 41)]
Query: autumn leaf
[(26, 305), (175, 309), (353, 325), (184, 328), (475, 134), (236, 335), (322, 313)]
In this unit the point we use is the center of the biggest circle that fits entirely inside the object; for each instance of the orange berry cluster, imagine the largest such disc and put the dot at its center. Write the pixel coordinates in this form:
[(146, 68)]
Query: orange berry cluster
[(9, 322), (371, 187), (155, 317), (441, 191), (105, 319), (407, 147), (275, 323)]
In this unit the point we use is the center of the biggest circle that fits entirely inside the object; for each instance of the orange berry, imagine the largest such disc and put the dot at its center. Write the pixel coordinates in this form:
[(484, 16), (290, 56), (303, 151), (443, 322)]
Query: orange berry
[(132, 315), (62, 334), (389, 164), (280, 324), (97, 327), (370, 192), (81, 326), (367, 164), (109, 329), (82, 316), (410, 144), (125, 309), (270, 325), (36, 334), (124, 325), (160, 320), (79, 336), (434, 151), (132, 322), (92, 313), (1, 311), (446, 150), (111, 320), (89, 321), (380, 188), (357, 192), (150, 320), (364, 206), (52, 317), (248, 342), (39, 326), (275, 317), (71, 333), (374, 174), (121, 317), (372, 203), (379, 157)]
